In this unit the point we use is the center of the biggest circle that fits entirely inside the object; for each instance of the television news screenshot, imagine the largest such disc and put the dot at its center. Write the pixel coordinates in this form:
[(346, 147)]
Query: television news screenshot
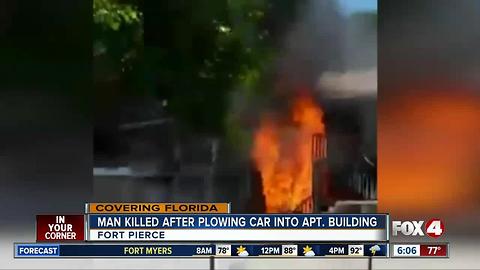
[(239, 134)]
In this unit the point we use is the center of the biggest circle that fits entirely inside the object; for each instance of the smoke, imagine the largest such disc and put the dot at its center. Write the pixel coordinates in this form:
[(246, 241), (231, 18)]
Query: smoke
[(328, 54), (357, 83), (312, 47), (305, 47), (329, 51), (359, 51)]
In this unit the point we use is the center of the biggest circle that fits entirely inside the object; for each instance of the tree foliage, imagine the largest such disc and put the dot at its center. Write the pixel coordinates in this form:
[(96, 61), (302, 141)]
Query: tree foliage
[(118, 40), (112, 15), (196, 53)]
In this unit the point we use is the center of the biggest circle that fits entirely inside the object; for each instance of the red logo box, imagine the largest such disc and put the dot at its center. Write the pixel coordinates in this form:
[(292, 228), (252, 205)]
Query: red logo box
[(60, 228)]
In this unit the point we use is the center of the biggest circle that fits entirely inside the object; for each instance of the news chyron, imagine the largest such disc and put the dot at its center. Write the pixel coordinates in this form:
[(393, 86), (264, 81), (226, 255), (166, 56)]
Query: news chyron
[(144, 230)]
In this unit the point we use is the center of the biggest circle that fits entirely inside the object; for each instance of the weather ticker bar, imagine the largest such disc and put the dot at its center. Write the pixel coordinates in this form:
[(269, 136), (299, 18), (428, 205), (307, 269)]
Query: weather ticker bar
[(46, 250)]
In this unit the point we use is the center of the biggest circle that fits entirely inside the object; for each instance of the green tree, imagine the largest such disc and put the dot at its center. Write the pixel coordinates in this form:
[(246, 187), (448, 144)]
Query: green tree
[(118, 42), (196, 53)]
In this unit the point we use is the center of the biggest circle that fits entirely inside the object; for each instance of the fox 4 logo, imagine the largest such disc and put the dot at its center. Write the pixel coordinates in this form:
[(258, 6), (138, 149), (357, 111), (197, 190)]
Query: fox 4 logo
[(434, 228)]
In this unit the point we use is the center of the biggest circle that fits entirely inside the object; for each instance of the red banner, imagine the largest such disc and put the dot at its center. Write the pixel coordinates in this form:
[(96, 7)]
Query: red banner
[(60, 228)]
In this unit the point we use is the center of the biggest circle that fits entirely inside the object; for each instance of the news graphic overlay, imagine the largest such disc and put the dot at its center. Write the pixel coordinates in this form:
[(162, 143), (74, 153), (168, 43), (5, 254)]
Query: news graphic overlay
[(418, 250), (240, 228), (433, 228), (157, 208), (60, 228), (419, 230), (188, 230), (39, 250)]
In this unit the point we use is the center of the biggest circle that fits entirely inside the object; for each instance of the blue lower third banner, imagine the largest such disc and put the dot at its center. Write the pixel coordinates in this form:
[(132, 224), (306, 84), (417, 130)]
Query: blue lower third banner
[(238, 228), (43, 250)]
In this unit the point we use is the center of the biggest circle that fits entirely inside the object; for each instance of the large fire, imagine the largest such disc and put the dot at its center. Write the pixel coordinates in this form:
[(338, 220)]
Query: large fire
[(282, 153)]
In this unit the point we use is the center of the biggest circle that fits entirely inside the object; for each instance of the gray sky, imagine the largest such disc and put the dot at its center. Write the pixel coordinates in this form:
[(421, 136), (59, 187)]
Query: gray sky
[(352, 6)]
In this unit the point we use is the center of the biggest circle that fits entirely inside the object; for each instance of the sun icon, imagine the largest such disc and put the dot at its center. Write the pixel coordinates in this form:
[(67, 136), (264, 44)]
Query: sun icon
[(307, 251), (242, 251)]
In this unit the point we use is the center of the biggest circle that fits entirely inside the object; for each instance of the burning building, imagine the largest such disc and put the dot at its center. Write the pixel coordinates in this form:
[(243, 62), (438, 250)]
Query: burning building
[(320, 148), (299, 170), (282, 154)]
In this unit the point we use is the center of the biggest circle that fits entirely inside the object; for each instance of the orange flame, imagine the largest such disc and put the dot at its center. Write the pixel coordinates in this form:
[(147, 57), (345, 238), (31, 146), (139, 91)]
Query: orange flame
[(282, 153)]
